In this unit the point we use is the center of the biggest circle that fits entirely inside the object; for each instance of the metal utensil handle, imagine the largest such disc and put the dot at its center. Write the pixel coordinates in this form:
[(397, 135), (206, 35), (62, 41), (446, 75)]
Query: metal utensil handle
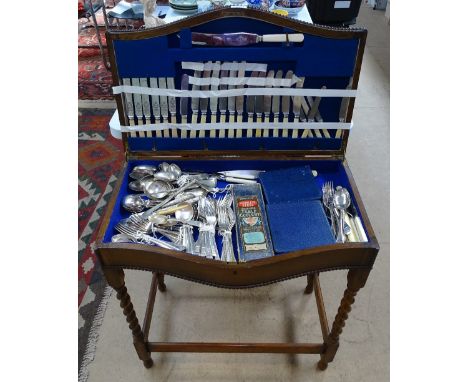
[(227, 253), (341, 238)]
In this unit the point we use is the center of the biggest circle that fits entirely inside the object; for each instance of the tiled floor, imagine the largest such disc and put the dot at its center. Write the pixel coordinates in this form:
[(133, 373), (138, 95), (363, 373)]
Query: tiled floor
[(192, 312)]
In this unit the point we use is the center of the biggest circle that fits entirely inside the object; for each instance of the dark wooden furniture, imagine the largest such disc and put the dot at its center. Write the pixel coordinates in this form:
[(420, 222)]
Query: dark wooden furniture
[(357, 258)]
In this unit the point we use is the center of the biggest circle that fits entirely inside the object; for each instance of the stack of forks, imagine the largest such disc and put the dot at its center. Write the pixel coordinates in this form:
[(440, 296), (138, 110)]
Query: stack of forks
[(226, 222)]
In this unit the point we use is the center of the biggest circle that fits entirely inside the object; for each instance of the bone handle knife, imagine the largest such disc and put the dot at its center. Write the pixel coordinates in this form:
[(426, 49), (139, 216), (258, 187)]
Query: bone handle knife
[(164, 105), (286, 105), (156, 106), (240, 103), (214, 100), (297, 106), (250, 107), (343, 111), (222, 104), (303, 117), (275, 106), (195, 106), (184, 104), (129, 106), (259, 109), (231, 104), (267, 101), (172, 107)]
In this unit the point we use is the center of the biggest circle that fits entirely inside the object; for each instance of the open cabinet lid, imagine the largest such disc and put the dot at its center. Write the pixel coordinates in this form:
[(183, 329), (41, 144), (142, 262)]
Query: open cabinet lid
[(294, 97)]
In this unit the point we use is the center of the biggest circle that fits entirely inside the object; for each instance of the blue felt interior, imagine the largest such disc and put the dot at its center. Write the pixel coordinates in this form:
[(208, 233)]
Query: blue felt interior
[(322, 61), (331, 170), (290, 184), (298, 225)]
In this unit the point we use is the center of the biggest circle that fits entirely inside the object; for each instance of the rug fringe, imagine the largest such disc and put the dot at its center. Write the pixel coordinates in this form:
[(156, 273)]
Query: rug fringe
[(94, 336)]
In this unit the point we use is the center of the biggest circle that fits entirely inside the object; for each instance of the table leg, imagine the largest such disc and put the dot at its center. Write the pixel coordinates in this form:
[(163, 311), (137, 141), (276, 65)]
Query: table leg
[(161, 284), (310, 284), (356, 280), (116, 279)]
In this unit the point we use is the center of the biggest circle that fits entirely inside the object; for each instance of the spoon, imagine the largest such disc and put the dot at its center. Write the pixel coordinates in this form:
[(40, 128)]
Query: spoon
[(157, 189), (166, 176), (341, 201), (139, 184), (164, 166), (122, 238), (134, 203), (185, 213)]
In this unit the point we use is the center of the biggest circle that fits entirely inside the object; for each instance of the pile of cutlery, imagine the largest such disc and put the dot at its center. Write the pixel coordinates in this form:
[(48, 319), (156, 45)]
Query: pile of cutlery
[(195, 112)]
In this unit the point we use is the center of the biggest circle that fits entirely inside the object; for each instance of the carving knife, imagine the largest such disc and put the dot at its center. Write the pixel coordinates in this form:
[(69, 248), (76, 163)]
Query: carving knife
[(297, 105), (172, 106), (155, 104), (222, 104), (267, 101), (242, 38), (231, 104), (195, 106), (251, 107), (129, 106), (214, 100), (259, 109), (204, 103), (146, 106), (275, 106), (164, 106), (138, 106), (285, 106), (184, 85), (240, 104)]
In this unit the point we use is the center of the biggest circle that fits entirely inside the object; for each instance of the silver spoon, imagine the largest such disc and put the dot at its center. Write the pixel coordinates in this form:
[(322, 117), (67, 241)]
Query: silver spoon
[(139, 184), (157, 189), (134, 203), (341, 201)]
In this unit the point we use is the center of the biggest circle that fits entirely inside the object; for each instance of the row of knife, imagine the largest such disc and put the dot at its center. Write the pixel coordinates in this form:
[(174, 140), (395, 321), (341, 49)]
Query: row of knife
[(144, 109)]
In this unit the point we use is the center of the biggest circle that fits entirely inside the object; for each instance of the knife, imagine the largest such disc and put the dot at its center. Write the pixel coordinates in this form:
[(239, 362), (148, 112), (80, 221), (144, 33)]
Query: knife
[(195, 106), (251, 107), (129, 106), (275, 107), (297, 105), (138, 107), (231, 104), (156, 106), (267, 102), (172, 106), (318, 118), (222, 104), (314, 110), (242, 38), (343, 110), (303, 117), (214, 100), (184, 105), (240, 104), (146, 106), (164, 106), (259, 109), (204, 103), (285, 106)]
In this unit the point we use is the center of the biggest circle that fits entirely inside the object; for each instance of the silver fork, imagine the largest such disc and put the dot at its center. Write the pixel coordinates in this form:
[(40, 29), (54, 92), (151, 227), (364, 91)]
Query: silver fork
[(226, 222)]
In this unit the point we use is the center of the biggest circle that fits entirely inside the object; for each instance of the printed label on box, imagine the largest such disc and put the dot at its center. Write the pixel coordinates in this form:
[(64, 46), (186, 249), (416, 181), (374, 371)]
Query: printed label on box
[(342, 4)]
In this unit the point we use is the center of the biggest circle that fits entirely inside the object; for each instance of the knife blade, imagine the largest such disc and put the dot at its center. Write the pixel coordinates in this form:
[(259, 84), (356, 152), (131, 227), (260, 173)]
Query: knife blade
[(222, 104), (259, 109), (204, 103), (297, 105), (251, 107), (303, 116), (267, 101), (184, 85), (242, 38), (156, 106), (318, 118), (313, 112), (195, 106), (146, 106), (138, 107), (275, 105), (129, 106), (164, 105), (286, 105), (214, 100), (231, 104), (240, 104), (172, 107)]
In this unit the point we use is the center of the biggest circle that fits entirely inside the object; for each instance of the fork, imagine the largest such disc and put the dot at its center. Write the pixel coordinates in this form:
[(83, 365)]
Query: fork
[(226, 222)]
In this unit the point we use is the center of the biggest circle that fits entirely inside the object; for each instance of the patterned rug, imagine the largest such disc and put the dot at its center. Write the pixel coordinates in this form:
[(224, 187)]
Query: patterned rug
[(100, 158)]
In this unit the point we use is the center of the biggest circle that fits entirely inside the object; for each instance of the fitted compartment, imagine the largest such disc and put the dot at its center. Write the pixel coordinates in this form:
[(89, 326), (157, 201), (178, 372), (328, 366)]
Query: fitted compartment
[(327, 170)]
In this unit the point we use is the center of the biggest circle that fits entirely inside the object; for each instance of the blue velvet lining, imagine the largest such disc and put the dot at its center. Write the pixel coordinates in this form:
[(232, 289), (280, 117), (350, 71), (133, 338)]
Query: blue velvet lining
[(331, 170)]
